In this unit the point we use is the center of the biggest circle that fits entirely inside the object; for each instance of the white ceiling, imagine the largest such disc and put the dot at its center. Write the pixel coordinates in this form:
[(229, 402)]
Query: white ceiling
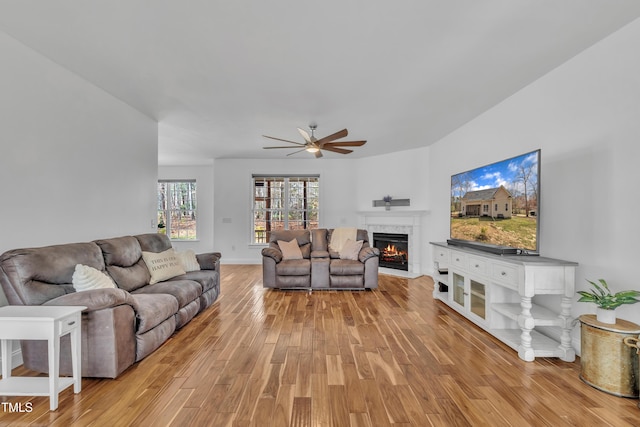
[(217, 75)]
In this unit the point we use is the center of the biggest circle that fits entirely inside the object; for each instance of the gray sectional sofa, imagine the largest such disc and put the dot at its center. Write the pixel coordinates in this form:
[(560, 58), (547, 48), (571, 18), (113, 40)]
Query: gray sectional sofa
[(319, 267), (121, 325)]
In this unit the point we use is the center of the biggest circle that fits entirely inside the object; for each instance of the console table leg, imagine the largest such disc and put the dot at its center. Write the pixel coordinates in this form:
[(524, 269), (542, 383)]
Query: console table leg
[(76, 360), (54, 369), (568, 353), (6, 358), (526, 323)]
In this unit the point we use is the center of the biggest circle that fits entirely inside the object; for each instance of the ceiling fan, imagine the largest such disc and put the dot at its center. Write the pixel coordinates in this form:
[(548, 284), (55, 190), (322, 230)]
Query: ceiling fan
[(315, 146)]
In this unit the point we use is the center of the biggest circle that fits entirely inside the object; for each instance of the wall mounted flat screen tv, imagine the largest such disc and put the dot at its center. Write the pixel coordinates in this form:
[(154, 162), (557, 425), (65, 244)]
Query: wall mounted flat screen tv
[(496, 207)]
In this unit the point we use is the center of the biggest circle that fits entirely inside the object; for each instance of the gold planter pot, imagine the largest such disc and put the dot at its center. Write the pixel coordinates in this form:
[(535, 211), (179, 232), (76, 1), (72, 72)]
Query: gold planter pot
[(607, 363)]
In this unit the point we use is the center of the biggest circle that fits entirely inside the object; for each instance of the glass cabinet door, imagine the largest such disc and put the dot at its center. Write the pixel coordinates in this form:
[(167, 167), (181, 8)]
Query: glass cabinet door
[(458, 289), (477, 299)]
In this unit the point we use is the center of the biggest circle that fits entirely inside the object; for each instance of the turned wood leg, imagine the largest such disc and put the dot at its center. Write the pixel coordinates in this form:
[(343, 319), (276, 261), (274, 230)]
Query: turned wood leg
[(526, 323), (568, 353)]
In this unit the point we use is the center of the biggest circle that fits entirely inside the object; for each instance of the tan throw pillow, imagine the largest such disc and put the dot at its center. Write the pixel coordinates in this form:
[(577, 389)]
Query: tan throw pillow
[(290, 250), (86, 278), (188, 260), (163, 265), (351, 249)]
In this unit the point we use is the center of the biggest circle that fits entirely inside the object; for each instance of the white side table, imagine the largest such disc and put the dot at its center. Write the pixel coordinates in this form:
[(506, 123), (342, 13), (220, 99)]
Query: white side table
[(18, 322)]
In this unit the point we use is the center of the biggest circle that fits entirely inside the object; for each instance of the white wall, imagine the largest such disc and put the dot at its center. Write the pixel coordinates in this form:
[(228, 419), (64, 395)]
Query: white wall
[(584, 117), (205, 197), (233, 199), (76, 164)]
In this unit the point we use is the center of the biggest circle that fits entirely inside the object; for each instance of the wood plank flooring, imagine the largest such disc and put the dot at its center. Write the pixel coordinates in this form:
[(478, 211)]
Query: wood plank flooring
[(389, 357)]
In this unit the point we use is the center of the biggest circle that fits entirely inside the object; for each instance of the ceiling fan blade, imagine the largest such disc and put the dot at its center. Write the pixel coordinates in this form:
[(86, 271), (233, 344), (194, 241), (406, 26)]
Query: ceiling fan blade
[(290, 154), (345, 144), (305, 134), (288, 146), (337, 150), (337, 135), (284, 140)]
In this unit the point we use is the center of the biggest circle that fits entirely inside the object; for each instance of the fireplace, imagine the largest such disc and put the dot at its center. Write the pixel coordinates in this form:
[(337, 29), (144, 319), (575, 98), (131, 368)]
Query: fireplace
[(394, 250)]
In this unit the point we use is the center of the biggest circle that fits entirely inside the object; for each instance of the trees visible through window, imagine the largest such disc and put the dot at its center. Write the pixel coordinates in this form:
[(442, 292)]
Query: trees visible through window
[(284, 203), (177, 209)]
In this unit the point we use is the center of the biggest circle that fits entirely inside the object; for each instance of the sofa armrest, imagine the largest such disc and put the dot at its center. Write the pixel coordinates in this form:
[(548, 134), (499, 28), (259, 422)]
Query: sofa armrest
[(209, 260), (95, 299), (369, 252), (272, 253), (319, 254)]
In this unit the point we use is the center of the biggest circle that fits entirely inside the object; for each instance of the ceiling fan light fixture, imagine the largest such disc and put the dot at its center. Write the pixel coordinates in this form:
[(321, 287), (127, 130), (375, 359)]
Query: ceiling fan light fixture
[(318, 146)]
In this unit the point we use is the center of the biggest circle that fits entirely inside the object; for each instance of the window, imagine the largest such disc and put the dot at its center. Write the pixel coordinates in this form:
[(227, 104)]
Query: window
[(284, 203), (177, 209)]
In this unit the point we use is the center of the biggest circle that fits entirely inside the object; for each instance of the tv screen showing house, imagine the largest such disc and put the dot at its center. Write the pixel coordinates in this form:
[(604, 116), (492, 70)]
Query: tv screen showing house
[(497, 204)]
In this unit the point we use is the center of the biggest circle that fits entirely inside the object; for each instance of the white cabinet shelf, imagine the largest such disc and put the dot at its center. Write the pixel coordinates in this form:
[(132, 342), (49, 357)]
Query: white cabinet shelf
[(496, 293)]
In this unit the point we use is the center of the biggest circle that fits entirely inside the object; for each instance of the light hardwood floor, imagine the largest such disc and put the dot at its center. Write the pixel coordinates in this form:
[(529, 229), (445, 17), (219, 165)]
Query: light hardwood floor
[(392, 356)]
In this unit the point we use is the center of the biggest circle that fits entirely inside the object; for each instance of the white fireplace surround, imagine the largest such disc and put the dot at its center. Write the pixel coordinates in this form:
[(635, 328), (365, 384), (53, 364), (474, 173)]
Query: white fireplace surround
[(400, 222)]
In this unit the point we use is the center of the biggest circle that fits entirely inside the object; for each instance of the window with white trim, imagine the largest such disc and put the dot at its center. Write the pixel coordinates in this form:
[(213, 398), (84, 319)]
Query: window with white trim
[(177, 209), (284, 203)]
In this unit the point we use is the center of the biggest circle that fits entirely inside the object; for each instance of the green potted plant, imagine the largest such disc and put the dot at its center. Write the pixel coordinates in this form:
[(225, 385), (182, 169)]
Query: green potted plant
[(606, 301)]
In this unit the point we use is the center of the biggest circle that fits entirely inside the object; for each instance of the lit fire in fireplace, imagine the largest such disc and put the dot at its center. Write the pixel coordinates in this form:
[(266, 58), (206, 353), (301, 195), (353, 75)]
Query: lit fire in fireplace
[(393, 254)]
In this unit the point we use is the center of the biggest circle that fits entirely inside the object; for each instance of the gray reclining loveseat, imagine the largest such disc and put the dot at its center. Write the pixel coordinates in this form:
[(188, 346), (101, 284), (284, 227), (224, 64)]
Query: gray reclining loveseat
[(319, 267)]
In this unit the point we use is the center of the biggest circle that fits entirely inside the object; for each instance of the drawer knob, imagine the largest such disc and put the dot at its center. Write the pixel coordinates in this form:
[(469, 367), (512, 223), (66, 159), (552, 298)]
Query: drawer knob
[(71, 323), (457, 259), (504, 273), (477, 265)]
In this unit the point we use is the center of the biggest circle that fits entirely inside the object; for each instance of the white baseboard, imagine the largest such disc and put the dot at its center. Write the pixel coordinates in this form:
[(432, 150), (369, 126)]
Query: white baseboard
[(16, 355)]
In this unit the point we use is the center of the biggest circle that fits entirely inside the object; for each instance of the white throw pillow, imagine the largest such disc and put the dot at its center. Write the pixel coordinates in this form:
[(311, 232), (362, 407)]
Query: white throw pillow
[(163, 265), (351, 249), (188, 260), (290, 250), (86, 278)]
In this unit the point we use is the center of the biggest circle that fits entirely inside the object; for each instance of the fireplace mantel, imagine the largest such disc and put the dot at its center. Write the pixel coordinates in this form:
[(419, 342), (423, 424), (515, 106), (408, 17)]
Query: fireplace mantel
[(397, 221)]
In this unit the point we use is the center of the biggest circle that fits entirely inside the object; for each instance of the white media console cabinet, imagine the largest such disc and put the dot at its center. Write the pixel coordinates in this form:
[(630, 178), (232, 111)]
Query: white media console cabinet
[(495, 292)]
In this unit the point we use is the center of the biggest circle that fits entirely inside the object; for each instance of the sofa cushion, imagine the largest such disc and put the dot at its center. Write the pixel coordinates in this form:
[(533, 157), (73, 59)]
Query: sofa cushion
[(85, 278), (153, 242), (123, 260), (302, 236), (339, 236), (206, 278), (293, 267), (130, 278), (290, 250), (163, 265), (123, 251), (351, 249), (153, 309), (188, 260), (345, 267), (184, 291)]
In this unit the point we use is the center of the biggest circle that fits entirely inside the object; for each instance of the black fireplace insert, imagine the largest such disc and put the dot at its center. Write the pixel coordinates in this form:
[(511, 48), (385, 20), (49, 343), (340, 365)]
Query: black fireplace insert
[(394, 250)]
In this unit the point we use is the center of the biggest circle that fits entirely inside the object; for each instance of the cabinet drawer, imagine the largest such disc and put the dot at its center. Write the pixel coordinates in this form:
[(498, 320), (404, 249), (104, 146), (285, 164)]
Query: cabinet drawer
[(505, 274), (441, 255), (459, 260), (477, 265), (68, 323)]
